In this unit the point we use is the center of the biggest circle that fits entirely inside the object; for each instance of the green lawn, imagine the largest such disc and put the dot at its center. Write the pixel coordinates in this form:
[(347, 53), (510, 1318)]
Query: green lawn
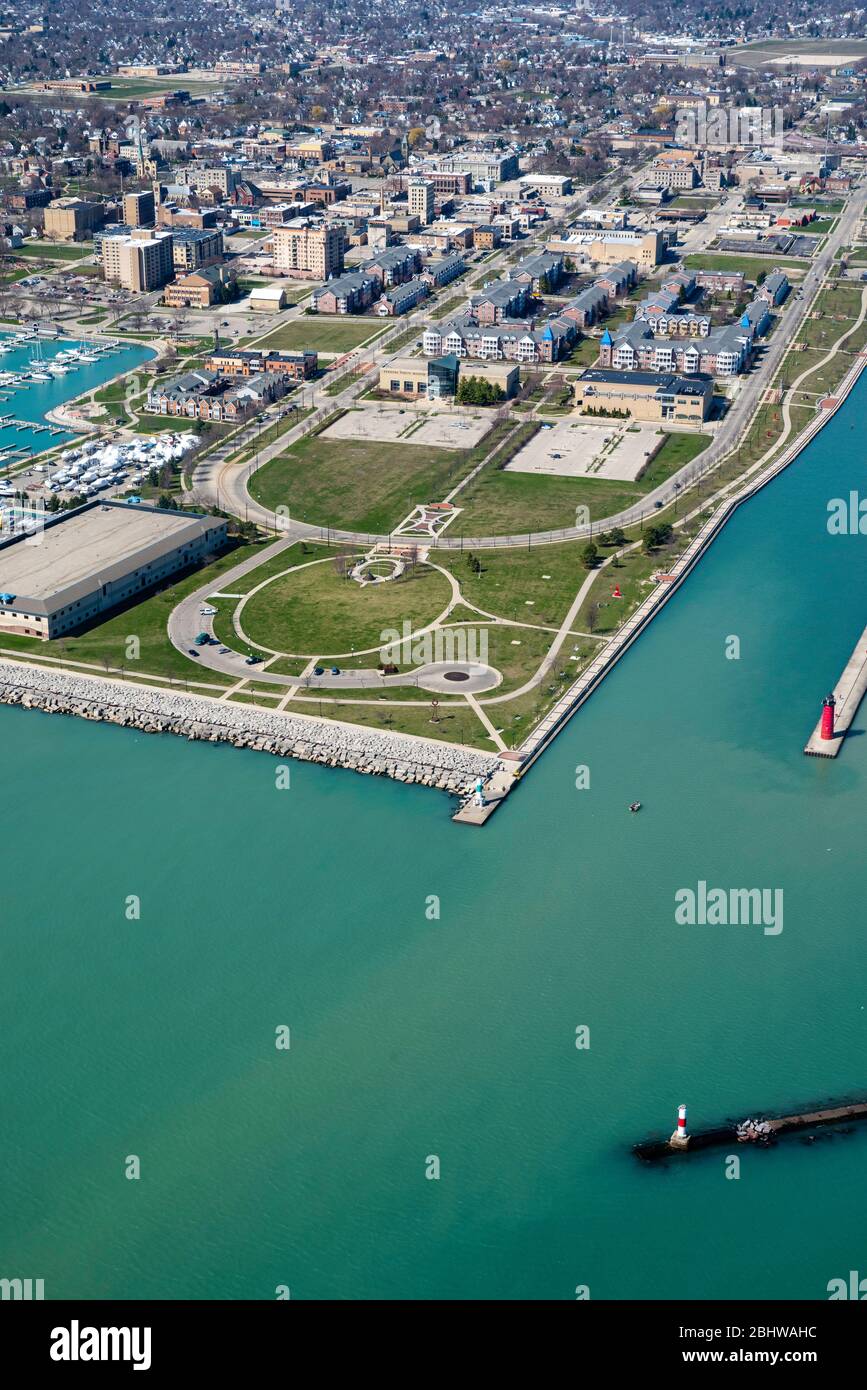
[(454, 723), (126, 88), (357, 484), (317, 611), (752, 266), (324, 334), (54, 252), (531, 585), (155, 424), (583, 354), (820, 226), (449, 308)]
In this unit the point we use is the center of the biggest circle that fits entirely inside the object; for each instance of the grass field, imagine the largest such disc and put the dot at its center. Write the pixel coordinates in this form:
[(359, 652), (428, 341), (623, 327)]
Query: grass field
[(324, 335), (126, 88), (357, 484), (820, 226), (53, 252), (318, 612), (802, 52), (752, 266)]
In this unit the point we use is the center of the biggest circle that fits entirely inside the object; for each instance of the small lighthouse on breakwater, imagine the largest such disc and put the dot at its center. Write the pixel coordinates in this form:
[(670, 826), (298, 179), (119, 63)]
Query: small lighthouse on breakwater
[(680, 1138), (827, 729)]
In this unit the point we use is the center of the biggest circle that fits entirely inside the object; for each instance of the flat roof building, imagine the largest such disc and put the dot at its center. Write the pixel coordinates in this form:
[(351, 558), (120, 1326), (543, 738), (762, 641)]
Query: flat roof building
[(73, 219), (140, 262), (92, 559), (307, 250), (139, 209), (644, 395)]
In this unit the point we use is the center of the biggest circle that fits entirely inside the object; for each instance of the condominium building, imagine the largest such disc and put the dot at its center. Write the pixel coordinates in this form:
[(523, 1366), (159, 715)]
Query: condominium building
[(308, 250), (139, 262), (193, 248)]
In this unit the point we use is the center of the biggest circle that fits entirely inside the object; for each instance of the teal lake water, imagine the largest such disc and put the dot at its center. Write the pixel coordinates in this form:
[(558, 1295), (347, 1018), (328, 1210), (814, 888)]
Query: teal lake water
[(410, 1037), (32, 400)]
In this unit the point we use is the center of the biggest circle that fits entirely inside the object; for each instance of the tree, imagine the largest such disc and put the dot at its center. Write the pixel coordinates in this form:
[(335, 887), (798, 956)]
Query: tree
[(589, 556), (657, 535), (474, 390)]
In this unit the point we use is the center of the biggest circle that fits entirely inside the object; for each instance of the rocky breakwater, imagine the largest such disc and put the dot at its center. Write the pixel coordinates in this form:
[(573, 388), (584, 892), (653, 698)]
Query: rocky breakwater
[(154, 711)]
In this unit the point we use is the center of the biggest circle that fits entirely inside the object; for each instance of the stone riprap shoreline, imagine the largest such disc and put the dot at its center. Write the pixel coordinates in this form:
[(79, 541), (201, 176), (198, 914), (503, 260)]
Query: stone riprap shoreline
[(154, 711)]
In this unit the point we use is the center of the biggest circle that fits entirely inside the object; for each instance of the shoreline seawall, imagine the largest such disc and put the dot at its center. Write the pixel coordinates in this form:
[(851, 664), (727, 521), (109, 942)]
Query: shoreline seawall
[(404, 757)]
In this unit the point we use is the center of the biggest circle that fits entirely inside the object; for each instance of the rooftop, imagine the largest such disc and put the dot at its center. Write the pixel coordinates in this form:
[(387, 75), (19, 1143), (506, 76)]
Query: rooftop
[(94, 544)]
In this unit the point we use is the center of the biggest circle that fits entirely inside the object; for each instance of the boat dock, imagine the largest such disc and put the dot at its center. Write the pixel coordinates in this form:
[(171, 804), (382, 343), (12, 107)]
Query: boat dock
[(848, 694), (761, 1132)]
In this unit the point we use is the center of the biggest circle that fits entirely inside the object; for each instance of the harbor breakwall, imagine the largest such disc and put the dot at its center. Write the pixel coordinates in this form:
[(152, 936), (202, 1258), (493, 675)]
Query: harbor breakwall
[(154, 711)]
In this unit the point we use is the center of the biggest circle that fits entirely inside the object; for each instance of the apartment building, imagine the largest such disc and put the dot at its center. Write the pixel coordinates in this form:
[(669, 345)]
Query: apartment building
[(504, 299), (219, 177), (246, 362), (540, 273), (725, 352), (487, 237), (307, 250), (193, 248), (443, 270), (774, 287), (394, 265), (347, 294), (206, 395), (401, 298), (586, 307), (466, 337), (140, 262)]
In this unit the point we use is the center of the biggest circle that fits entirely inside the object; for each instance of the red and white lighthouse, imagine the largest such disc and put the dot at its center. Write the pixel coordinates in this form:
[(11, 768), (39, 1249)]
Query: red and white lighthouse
[(680, 1138), (827, 729)]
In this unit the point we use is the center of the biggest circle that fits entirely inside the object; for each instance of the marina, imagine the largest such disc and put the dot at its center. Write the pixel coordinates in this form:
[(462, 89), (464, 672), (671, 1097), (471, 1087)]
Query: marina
[(39, 373)]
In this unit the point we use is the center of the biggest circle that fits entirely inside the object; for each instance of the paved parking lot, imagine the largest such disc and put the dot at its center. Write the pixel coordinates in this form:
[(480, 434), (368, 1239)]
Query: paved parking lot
[(447, 429), (580, 449)]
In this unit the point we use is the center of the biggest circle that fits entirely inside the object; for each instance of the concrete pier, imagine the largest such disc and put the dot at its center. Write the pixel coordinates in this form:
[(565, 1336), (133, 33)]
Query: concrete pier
[(725, 1135), (848, 694)]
